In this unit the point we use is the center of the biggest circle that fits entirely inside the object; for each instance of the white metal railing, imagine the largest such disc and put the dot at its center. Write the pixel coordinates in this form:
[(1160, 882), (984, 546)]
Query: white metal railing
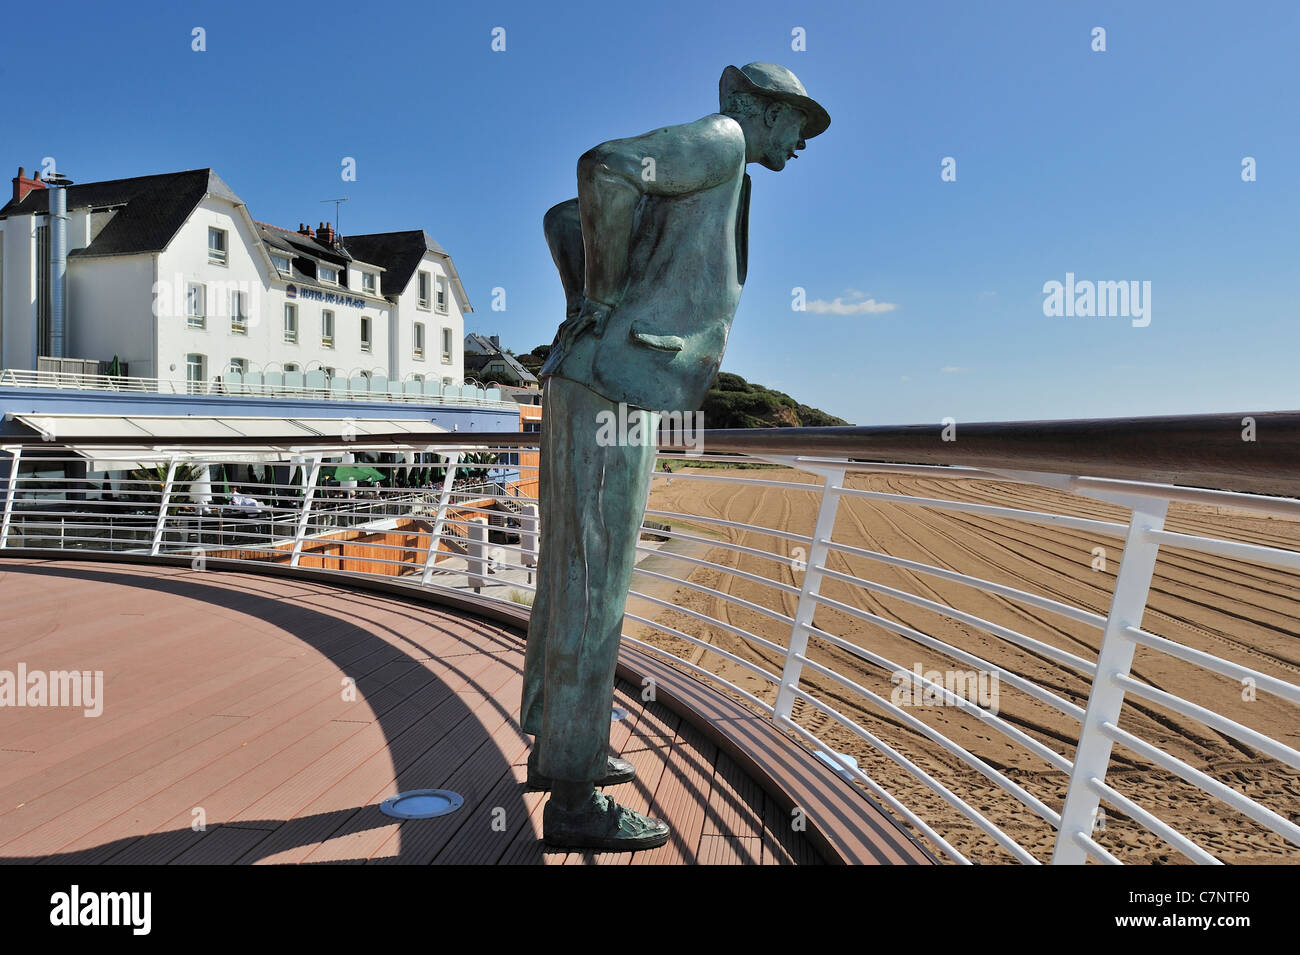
[(279, 384), (789, 620)]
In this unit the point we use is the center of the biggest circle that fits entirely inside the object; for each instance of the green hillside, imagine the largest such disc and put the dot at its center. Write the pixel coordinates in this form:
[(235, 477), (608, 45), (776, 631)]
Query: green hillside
[(733, 402)]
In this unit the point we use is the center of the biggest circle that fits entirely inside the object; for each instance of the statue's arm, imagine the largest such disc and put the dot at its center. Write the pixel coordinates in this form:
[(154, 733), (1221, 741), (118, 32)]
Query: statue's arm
[(614, 176)]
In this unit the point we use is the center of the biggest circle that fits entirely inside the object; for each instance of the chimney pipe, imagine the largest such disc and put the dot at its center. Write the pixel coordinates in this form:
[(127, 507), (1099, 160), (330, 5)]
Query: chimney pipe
[(58, 263)]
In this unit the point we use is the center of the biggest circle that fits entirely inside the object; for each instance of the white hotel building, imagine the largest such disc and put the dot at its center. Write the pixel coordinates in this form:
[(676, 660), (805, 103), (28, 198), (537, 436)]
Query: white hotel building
[(172, 276)]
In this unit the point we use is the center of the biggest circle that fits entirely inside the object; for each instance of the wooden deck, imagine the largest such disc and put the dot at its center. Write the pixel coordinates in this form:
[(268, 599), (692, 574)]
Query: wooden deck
[(262, 719)]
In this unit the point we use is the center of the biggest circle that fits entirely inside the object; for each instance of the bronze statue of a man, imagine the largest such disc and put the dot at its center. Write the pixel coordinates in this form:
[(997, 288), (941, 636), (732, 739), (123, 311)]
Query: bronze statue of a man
[(652, 255)]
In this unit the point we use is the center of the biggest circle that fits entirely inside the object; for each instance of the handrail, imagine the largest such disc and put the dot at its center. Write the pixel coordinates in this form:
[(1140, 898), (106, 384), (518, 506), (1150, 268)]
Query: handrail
[(1194, 451)]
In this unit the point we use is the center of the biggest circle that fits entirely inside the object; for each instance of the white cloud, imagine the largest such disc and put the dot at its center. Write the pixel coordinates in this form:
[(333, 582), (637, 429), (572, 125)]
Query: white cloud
[(952, 369), (849, 304)]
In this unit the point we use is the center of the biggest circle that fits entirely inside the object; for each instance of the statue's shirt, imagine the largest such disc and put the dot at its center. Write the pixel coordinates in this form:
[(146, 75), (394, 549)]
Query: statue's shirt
[(663, 343)]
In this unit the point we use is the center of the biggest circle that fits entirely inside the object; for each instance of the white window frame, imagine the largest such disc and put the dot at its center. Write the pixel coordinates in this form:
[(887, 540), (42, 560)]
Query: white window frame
[(327, 328), (238, 364), (423, 290), (218, 255), (290, 367), (367, 333), (288, 264), (193, 318), (291, 333), (417, 340), (191, 381), (327, 268), (238, 312), (369, 282), (442, 294), (447, 345)]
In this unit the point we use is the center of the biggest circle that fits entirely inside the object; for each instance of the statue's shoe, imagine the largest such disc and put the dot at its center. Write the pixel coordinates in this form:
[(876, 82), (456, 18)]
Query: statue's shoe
[(601, 824), (616, 771)]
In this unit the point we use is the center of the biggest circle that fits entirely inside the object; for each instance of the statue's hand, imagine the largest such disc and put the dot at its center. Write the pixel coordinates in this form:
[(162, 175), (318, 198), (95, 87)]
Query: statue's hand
[(592, 315)]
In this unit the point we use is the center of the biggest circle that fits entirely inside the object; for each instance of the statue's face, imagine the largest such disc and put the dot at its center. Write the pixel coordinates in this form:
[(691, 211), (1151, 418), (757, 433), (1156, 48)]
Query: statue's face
[(783, 129)]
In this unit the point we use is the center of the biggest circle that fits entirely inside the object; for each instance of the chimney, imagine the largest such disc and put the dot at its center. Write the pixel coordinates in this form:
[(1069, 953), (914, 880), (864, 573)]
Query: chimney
[(496, 341), (23, 185), (304, 229), (325, 234)]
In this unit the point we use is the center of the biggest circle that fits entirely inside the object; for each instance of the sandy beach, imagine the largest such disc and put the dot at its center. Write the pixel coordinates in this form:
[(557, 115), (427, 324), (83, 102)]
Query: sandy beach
[(1243, 612)]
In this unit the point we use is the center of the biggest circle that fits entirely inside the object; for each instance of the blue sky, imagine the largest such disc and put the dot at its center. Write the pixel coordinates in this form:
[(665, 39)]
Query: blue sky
[(1116, 165)]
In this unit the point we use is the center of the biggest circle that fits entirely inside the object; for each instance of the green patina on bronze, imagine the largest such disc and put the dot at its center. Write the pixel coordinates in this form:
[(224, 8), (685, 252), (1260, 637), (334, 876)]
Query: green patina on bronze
[(652, 254)]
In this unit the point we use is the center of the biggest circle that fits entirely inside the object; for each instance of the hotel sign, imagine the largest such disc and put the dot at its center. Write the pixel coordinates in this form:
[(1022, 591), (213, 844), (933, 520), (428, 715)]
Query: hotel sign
[(329, 298)]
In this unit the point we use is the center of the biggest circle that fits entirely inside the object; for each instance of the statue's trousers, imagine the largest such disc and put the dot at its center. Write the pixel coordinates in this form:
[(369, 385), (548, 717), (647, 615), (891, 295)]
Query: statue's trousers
[(593, 489)]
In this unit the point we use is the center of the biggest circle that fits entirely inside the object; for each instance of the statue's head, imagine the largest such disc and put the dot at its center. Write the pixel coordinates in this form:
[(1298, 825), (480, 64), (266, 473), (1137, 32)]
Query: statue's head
[(773, 108)]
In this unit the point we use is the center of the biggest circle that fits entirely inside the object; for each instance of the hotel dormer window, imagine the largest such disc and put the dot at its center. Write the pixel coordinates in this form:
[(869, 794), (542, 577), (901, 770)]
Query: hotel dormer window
[(328, 275), (217, 246), (424, 291), (281, 263), (368, 282)]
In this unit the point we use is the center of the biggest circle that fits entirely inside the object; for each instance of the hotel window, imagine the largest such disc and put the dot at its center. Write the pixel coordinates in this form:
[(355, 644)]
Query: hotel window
[(327, 328), (290, 322), (196, 305), (238, 364), (291, 366), (239, 312), (365, 333), (446, 382), (329, 372), (368, 282), (446, 344), (424, 291), (281, 263), (196, 373), (442, 295), (328, 275), (217, 246), (419, 339)]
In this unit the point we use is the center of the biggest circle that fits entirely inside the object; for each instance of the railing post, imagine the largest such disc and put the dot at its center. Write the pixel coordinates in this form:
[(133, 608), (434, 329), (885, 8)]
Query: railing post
[(309, 492), (162, 508), (443, 501), (10, 490), (528, 535), (476, 558), (1092, 755), (812, 580)]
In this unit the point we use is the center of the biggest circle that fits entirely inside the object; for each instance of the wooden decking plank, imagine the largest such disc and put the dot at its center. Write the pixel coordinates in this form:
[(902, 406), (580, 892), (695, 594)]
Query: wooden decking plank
[(359, 837), (495, 819), (420, 841), (286, 704), (354, 786), (680, 799)]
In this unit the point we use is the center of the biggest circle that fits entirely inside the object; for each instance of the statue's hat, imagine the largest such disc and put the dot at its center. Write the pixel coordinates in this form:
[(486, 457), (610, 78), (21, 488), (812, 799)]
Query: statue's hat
[(778, 83)]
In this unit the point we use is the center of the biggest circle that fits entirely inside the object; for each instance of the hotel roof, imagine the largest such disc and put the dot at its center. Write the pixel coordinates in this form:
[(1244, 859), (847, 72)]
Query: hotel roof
[(136, 226), (150, 210)]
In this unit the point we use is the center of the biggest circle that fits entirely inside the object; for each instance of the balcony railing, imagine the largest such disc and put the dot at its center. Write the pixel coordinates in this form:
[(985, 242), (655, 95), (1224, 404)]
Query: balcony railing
[(302, 385), (1061, 661)]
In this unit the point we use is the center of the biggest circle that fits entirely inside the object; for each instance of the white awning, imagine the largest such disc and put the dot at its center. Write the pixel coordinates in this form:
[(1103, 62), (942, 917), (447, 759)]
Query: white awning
[(159, 434)]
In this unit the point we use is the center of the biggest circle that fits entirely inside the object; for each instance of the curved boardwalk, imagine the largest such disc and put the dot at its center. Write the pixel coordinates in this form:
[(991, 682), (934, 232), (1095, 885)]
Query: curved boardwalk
[(259, 719)]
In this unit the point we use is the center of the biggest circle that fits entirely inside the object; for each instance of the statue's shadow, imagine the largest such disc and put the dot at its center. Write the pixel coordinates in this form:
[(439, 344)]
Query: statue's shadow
[(321, 631)]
